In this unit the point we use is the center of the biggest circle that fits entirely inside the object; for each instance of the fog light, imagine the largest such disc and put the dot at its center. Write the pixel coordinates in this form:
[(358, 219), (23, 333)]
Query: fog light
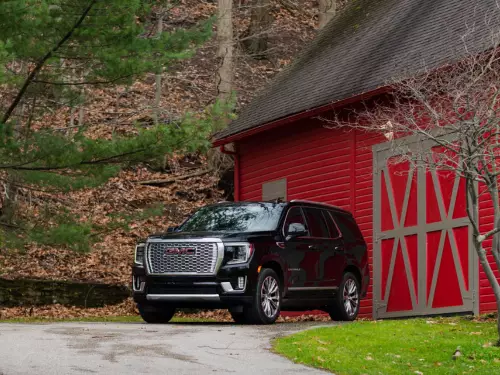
[(138, 283), (241, 282)]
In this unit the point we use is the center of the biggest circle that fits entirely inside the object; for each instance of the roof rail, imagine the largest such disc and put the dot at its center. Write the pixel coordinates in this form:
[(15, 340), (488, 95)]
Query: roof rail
[(319, 203), (276, 200)]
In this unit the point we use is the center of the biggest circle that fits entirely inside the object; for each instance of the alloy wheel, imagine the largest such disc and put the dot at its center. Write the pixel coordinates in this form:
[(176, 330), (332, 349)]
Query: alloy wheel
[(270, 296), (351, 297)]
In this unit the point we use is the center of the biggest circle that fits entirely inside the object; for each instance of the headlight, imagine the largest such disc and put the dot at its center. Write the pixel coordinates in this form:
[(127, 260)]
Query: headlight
[(140, 250), (239, 252)]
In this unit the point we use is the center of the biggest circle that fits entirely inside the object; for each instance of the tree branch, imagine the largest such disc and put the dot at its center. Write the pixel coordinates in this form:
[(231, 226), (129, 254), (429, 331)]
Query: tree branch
[(39, 65), (174, 179), (482, 237), (82, 83)]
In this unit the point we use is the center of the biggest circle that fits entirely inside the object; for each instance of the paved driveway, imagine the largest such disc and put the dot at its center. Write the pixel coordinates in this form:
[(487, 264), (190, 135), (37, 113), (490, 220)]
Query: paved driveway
[(108, 348)]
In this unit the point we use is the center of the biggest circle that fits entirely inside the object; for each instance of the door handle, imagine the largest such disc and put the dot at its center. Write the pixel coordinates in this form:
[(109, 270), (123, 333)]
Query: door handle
[(312, 247)]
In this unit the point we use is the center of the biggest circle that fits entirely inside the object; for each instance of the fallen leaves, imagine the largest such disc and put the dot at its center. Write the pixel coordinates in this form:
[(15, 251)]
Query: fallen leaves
[(322, 342), (110, 260), (188, 86), (128, 308)]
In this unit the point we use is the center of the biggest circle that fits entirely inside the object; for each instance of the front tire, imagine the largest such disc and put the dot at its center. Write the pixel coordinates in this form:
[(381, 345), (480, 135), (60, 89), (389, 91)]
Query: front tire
[(239, 317), (266, 304), (156, 314), (346, 303)]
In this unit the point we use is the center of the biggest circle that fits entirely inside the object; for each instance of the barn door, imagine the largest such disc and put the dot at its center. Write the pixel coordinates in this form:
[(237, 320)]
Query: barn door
[(423, 260)]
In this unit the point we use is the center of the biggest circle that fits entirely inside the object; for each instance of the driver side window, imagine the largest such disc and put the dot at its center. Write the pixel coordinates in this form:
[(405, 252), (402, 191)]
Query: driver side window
[(294, 215)]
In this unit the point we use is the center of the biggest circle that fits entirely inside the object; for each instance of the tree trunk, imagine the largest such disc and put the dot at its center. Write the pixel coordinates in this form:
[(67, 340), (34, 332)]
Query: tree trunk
[(498, 321), (492, 279), (158, 76), (327, 10), (257, 35), (225, 49), (81, 110), (9, 201)]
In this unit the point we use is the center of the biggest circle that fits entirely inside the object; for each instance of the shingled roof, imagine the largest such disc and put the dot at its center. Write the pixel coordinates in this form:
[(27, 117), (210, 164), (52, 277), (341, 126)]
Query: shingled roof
[(365, 47)]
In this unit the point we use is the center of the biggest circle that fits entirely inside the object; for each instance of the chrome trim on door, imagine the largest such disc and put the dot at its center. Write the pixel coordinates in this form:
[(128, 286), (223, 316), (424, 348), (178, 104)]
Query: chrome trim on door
[(296, 288)]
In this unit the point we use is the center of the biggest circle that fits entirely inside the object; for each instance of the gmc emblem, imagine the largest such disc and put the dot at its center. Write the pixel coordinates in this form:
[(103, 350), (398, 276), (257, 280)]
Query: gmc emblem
[(180, 251)]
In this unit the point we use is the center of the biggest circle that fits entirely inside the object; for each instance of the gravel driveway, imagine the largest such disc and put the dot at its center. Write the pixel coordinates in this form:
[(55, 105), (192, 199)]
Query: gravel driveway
[(134, 348)]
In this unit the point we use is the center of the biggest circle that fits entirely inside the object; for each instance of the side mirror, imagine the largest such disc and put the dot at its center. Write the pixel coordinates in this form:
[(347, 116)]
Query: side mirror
[(172, 229), (296, 230)]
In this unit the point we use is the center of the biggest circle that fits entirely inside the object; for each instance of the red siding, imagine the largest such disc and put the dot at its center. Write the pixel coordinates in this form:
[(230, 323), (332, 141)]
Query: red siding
[(487, 301), (363, 198), (330, 166)]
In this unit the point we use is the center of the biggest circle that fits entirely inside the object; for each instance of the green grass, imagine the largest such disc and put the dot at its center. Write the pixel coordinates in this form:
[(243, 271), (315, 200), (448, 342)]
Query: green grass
[(102, 319), (416, 346)]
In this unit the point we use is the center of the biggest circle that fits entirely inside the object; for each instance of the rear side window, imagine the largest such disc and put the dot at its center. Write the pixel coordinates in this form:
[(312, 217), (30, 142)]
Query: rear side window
[(316, 222), (332, 227), (348, 227)]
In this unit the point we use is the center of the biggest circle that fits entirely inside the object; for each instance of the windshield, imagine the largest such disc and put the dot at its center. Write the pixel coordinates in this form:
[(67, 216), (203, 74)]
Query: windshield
[(252, 217)]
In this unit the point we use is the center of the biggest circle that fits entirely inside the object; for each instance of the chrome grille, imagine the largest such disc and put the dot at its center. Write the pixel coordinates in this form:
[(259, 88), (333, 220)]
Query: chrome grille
[(203, 261)]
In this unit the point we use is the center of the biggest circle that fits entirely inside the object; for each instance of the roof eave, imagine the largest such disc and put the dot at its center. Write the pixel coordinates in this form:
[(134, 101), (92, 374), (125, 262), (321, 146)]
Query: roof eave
[(298, 116)]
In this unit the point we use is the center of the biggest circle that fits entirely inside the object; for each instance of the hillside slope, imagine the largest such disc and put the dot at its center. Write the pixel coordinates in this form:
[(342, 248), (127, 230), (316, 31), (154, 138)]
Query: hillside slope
[(187, 87)]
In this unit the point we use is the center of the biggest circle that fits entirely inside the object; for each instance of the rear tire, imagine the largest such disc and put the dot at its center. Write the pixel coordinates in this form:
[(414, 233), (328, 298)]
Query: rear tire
[(346, 304), (266, 304), (156, 314)]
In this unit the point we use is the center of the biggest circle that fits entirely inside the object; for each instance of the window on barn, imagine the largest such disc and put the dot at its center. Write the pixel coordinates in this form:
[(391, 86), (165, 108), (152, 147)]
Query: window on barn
[(274, 190)]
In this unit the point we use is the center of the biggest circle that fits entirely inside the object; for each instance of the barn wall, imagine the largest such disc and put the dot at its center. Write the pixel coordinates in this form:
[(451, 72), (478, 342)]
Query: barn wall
[(486, 297), (363, 197), (330, 166), (335, 167)]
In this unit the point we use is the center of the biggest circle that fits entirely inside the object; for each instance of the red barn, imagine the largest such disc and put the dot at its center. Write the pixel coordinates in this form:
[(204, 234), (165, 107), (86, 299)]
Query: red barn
[(422, 260)]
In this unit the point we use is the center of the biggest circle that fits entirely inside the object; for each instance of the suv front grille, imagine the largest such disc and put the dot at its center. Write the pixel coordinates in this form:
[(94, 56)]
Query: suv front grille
[(200, 259)]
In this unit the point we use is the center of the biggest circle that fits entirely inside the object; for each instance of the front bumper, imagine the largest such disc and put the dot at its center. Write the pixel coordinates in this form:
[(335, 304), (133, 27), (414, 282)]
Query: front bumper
[(218, 291)]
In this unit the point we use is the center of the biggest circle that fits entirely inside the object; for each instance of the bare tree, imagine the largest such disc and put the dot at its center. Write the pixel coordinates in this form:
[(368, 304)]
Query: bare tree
[(158, 76), (256, 41), (224, 82), (454, 113), (327, 10)]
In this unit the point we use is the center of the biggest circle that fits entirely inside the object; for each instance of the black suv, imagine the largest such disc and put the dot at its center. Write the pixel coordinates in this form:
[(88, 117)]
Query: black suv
[(255, 259)]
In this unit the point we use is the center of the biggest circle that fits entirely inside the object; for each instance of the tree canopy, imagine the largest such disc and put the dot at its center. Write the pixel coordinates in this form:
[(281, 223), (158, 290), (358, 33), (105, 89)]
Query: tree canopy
[(49, 50)]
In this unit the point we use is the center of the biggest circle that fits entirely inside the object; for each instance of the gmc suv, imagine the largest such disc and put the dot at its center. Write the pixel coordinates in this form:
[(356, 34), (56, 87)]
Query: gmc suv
[(254, 259)]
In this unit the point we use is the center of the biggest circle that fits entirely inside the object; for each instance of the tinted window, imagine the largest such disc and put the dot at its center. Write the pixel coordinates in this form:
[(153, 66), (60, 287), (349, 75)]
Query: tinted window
[(334, 232), (316, 222), (348, 227), (294, 216), (251, 217)]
